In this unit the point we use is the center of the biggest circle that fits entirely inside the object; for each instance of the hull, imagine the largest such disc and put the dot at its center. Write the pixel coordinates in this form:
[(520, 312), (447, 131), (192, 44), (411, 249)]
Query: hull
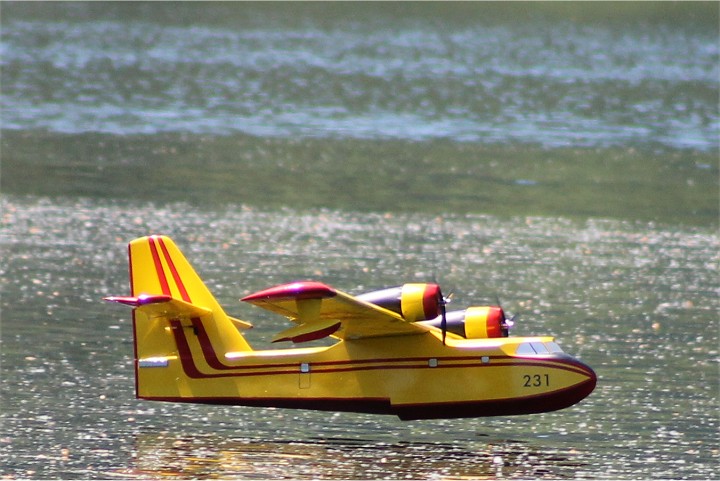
[(422, 379)]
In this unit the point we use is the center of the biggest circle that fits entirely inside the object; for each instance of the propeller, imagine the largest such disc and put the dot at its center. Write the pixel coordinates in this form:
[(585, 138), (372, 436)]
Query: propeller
[(506, 324), (443, 301)]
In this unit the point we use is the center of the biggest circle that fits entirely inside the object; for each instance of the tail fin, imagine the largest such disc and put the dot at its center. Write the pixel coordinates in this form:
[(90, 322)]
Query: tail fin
[(166, 289)]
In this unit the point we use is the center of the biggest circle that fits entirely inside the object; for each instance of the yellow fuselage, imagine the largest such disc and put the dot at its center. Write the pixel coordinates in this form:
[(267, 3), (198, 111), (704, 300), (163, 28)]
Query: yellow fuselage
[(411, 376)]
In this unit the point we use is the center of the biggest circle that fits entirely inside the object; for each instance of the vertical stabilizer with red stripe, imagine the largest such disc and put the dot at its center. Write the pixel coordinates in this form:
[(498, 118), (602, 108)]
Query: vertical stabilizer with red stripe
[(167, 293)]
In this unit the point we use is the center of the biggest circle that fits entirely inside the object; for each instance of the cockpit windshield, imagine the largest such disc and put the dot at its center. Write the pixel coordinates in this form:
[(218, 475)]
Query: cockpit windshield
[(538, 348)]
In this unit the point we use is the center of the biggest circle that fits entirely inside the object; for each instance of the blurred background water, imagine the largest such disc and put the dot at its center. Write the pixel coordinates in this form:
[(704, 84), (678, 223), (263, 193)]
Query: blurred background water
[(409, 72), (560, 156)]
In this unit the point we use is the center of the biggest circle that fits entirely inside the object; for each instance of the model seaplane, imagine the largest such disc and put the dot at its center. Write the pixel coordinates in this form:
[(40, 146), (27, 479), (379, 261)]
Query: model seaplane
[(397, 352)]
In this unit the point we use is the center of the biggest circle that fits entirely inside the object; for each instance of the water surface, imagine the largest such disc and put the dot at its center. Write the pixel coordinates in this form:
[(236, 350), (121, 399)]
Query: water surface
[(421, 72), (559, 157), (637, 302)]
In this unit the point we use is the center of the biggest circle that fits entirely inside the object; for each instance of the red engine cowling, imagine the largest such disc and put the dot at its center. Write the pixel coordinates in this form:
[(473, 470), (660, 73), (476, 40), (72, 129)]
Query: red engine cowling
[(415, 302), (481, 322)]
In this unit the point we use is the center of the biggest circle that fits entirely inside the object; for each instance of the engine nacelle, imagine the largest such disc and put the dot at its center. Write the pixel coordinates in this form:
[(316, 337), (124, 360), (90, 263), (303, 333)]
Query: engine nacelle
[(481, 322), (414, 302), (485, 322)]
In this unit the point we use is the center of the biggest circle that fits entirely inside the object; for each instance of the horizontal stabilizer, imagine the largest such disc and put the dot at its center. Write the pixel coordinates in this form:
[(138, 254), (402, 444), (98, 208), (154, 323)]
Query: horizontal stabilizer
[(240, 324), (162, 306)]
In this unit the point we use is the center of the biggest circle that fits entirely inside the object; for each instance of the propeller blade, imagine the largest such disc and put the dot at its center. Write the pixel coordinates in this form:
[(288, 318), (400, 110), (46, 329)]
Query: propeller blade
[(443, 323), (443, 313), (506, 324)]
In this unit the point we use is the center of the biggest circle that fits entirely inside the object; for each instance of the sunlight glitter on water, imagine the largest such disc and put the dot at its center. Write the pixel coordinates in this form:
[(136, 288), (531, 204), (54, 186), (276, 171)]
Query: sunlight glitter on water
[(626, 298)]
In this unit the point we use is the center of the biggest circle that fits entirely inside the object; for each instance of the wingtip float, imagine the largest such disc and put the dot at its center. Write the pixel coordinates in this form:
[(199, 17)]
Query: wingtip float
[(397, 352)]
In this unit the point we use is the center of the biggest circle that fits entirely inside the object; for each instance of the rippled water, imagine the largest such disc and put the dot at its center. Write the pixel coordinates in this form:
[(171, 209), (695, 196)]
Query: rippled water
[(637, 302), (357, 72), (559, 157)]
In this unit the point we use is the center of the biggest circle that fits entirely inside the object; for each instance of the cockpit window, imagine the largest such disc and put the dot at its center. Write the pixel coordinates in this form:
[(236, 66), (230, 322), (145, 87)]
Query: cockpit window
[(537, 348), (525, 348)]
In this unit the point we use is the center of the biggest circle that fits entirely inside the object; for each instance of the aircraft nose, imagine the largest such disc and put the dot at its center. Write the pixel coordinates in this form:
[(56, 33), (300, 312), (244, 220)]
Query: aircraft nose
[(583, 388)]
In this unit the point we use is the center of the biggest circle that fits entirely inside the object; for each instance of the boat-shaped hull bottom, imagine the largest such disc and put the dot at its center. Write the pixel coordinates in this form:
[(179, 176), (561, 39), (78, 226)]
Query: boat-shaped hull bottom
[(468, 409)]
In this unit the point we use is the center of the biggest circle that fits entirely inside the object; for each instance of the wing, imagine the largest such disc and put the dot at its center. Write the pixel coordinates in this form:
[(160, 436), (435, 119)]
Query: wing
[(320, 311)]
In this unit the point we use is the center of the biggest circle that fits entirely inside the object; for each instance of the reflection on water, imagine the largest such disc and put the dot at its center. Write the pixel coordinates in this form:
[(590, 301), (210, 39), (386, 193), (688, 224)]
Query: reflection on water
[(161, 455)]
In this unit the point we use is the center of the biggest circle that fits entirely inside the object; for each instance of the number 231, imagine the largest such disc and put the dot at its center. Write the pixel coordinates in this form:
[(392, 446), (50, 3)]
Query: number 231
[(536, 380)]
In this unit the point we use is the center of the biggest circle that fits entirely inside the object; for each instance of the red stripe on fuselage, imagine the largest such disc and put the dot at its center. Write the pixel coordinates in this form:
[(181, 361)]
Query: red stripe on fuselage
[(326, 367), (209, 353), (186, 357)]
